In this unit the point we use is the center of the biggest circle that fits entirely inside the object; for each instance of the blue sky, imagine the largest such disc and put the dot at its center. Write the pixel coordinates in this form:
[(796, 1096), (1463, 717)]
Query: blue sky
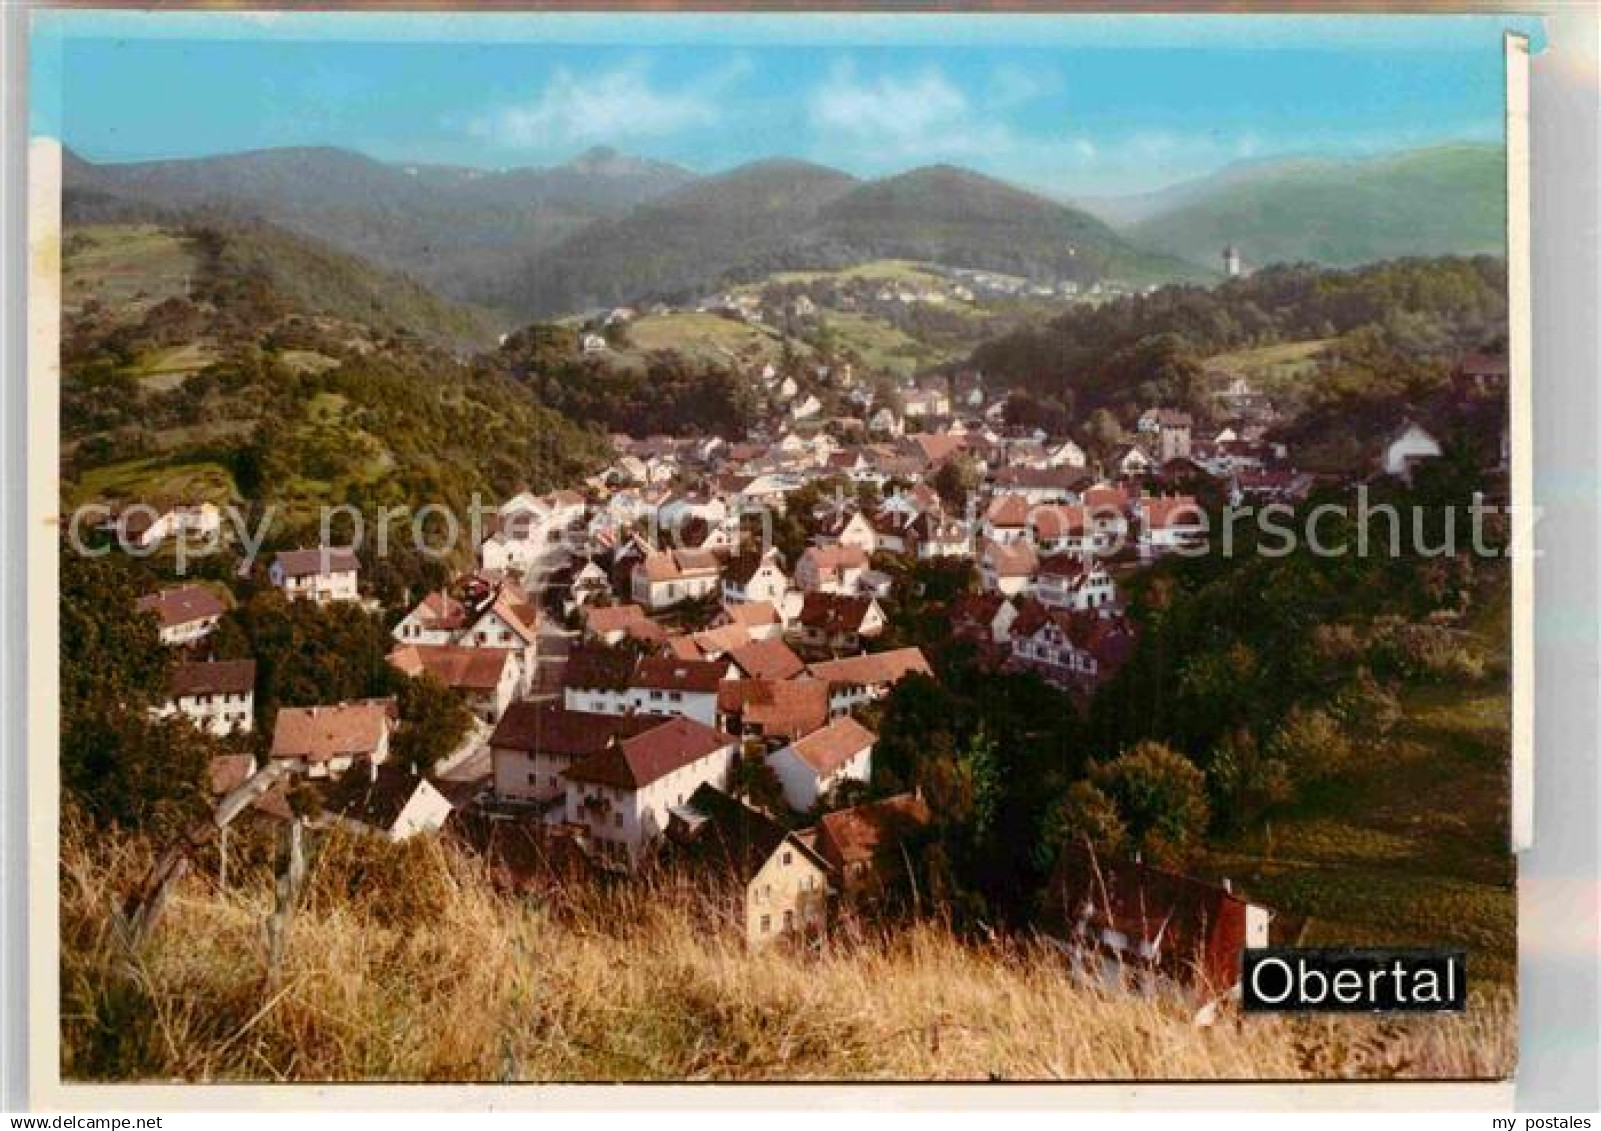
[(1070, 105)]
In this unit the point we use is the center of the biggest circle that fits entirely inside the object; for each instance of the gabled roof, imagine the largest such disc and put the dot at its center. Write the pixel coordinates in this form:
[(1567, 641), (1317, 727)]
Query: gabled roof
[(336, 730), (376, 797), (735, 834), (1017, 559), (834, 612), (550, 728), (219, 677), (719, 641), (1160, 513), (666, 673), (742, 568), (751, 614), (862, 833), (635, 762), (777, 707), (1059, 521), (611, 618), (872, 667), (590, 667), (766, 659), (1007, 510), (466, 669), (318, 560), (827, 749), (836, 557), (183, 605)]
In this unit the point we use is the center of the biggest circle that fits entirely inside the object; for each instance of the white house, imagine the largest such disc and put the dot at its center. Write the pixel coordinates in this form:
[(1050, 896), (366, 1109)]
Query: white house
[(853, 530), (322, 574), (810, 767), (325, 741), (621, 795), (488, 678), (534, 744), (830, 569), (1066, 581), (669, 577), (1168, 523), (219, 697), (388, 802), (1408, 446), (854, 680), (753, 577), (1066, 454), (185, 614), (142, 526)]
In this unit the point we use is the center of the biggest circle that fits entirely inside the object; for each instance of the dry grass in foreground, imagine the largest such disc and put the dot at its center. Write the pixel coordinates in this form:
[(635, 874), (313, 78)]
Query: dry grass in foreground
[(403, 963)]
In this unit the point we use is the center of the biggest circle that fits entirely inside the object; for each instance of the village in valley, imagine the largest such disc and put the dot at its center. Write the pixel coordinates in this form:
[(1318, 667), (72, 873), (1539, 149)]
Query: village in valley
[(678, 662)]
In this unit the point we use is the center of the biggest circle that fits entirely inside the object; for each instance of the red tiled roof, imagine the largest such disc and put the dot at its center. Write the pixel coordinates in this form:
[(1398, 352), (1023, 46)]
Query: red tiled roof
[(766, 659), (550, 728), (827, 749), (872, 667), (637, 761), (834, 612), (324, 559), (183, 605), (669, 674), (1007, 510), (467, 669), (610, 618), (321, 733), (219, 677), (786, 708), (860, 834), (1168, 511), (1059, 521)]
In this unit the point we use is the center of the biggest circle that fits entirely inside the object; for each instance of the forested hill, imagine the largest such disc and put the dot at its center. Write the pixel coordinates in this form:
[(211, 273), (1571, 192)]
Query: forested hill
[(1151, 349), (241, 363)]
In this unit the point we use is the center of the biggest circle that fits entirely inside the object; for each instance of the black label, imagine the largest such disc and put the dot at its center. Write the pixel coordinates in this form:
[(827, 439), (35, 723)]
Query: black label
[(1353, 980)]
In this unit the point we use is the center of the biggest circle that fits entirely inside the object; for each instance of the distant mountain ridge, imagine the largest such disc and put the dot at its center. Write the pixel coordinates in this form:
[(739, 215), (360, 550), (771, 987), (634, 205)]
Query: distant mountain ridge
[(1340, 213), (449, 227)]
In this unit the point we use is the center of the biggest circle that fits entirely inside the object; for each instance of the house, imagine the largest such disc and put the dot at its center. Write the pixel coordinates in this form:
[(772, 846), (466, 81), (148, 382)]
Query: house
[(774, 710), (185, 614), (534, 744), (610, 624), (837, 623), (755, 577), (1007, 569), (1077, 582), (219, 697), (663, 685), (920, 403), (1272, 485), (436, 619), (1131, 460), (830, 569), (778, 884), (855, 529), (589, 585), (807, 408), (870, 847), (620, 797), (1129, 924), (1406, 447), (1070, 650), (1168, 523), (1037, 485), (1006, 520), (480, 613), (1169, 432), (322, 574), (811, 767), (387, 801), (984, 619), (670, 577), (766, 659), (141, 527), (933, 535), (854, 680), (759, 619), (593, 344), (325, 741), (487, 678), (886, 422), (1066, 454)]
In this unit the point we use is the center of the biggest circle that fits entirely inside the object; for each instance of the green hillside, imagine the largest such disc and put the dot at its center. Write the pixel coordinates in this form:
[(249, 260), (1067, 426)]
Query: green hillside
[(241, 362), (1447, 200)]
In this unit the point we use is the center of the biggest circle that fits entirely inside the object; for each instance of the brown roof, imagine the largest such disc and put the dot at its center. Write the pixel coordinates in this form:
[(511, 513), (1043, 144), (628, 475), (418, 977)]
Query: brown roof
[(872, 667), (376, 798), (219, 677), (860, 834), (717, 641), (779, 708), (831, 747), (1015, 560), (1058, 521), (550, 728), (752, 614), (834, 612), (767, 659), (318, 559), (837, 557), (183, 605), (441, 610), (611, 618), (332, 731), (636, 762), (670, 565), (1174, 510), (593, 666), (669, 674), (467, 669), (1007, 510)]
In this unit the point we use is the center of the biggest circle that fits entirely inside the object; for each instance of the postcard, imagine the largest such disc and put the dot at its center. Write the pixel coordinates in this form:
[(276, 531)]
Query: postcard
[(661, 548)]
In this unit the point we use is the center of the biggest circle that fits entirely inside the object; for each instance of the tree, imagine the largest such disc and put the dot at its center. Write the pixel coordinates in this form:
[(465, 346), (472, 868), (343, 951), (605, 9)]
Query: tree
[(757, 783), (1247, 780), (1084, 815), (434, 720), (956, 478), (1161, 797)]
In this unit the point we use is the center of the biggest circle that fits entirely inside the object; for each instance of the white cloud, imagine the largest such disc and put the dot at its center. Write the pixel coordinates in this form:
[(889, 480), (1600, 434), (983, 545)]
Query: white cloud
[(605, 107), (905, 116)]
